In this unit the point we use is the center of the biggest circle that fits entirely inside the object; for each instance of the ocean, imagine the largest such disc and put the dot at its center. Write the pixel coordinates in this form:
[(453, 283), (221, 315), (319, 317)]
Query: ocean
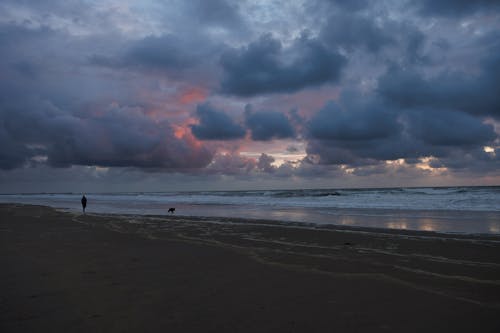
[(440, 209)]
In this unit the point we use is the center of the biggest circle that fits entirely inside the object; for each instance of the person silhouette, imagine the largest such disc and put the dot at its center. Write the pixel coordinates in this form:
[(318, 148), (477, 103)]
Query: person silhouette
[(84, 203)]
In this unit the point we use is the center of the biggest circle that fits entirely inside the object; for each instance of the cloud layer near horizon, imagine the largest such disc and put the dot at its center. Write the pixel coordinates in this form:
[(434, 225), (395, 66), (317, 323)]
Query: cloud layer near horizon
[(222, 88)]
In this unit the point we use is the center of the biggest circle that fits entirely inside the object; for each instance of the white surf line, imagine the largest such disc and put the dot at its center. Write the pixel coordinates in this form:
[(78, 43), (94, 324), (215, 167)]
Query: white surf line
[(113, 226), (432, 258), (75, 218), (279, 242), (380, 251), (455, 261), (449, 277)]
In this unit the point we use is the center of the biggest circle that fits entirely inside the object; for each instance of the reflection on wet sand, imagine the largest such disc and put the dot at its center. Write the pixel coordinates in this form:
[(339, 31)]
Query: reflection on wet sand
[(347, 220), (438, 221), (397, 225), (295, 215), (427, 225), (494, 228)]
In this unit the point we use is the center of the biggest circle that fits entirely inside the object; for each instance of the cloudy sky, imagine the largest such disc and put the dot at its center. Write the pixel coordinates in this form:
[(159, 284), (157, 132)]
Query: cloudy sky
[(122, 95)]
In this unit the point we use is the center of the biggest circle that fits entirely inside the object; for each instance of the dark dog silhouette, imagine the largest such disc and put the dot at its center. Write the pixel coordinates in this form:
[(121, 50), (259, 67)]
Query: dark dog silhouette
[(171, 210)]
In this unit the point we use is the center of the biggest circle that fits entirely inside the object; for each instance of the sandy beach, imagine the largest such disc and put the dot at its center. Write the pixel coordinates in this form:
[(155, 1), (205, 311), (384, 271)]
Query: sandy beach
[(68, 272)]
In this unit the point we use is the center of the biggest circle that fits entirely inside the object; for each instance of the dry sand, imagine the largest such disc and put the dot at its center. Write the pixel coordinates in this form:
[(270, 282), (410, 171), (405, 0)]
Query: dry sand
[(66, 272)]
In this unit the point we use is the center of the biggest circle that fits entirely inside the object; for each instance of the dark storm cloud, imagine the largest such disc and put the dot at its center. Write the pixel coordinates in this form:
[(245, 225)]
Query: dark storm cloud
[(11, 35), (48, 116), (126, 137), (13, 154), (447, 128), (51, 6), (357, 130), (191, 45), (361, 131), (165, 52), (351, 31), (215, 125), (267, 125), (359, 153), (115, 136), (26, 69), (355, 123), (265, 66), (216, 12), (352, 5), (370, 152), (323, 6), (327, 153), (469, 161), (375, 32), (477, 94), (47, 64), (455, 7), (263, 125), (265, 163), (414, 40), (230, 164)]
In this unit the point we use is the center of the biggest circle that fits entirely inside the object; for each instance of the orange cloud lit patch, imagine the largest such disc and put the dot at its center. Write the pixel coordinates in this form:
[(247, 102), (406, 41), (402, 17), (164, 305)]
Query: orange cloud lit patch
[(192, 95), (179, 131), (189, 138), (183, 131)]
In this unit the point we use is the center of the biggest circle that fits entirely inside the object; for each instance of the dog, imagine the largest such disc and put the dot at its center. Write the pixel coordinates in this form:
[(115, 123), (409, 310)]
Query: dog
[(171, 210)]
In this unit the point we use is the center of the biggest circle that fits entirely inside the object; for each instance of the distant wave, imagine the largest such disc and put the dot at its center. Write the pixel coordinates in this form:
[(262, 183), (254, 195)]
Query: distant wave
[(424, 198), (305, 193)]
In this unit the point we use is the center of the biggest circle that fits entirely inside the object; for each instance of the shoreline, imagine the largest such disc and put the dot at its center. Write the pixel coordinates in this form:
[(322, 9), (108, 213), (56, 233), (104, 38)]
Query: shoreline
[(286, 224), (440, 221), (106, 272)]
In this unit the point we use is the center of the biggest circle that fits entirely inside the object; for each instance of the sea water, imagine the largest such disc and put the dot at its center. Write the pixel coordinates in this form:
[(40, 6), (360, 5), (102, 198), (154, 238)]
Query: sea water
[(443, 209)]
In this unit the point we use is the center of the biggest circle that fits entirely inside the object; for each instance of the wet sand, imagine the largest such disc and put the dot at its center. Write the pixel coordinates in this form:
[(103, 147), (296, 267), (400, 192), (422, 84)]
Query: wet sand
[(66, 272)]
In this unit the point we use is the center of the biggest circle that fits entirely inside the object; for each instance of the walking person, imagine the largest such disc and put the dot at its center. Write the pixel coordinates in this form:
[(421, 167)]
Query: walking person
[(84, 203)]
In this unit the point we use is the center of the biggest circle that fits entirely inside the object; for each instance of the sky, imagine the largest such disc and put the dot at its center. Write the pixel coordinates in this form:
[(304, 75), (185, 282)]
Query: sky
[(108, 95)]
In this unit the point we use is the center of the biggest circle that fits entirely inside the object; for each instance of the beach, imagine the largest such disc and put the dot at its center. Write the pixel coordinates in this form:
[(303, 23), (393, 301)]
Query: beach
[(69, 272)]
